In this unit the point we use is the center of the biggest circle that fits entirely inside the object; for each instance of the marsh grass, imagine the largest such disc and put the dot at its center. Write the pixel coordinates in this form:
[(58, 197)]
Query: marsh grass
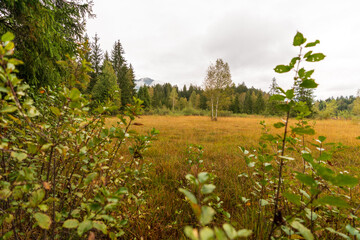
[(167, 213)]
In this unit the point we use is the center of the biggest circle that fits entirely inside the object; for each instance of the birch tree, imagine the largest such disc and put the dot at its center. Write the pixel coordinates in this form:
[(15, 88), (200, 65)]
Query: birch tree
[(173, 97), (217, 80)]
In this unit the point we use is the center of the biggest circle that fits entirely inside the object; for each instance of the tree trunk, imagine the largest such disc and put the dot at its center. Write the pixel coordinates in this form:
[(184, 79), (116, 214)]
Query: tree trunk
[(212, 109), (173, 104), (216, 109)]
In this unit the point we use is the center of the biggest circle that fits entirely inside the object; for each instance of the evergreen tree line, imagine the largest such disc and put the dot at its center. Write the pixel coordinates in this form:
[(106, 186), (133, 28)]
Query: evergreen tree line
[(240, 98), (113, 78), (340, 107)]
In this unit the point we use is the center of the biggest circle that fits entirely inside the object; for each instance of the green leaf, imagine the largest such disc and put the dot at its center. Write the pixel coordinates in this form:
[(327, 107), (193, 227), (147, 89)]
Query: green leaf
[(244, 233), (308, 83), (305, 232), (307, 157), (8, 109), (307, 54), (303, 130), (84, 226), (206, 233), (207, 214), (306, 179), (338, 233), (279, 125), (312, 44), (37, 197), (353, 231), (203, 177), (316, 57), (282, 68), (74, 94), (100, 226), (219, 234), (7, 37), (309, 73), (322, 138), (299, 39), (345, 180), (333, 201), (55, 111), (324, 172), (191, 233), (189, 195), (290, 94), (277, 97), (301, 73), (293, 61), (90, 177), (230, 231), (207, 188), (263, 202), (293, 198), (43, 220), (5, 193), (19, 155), (71, 223)]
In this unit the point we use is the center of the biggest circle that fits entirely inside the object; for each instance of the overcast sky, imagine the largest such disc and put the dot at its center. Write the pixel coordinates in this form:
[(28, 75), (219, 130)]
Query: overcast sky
[(176, 40)]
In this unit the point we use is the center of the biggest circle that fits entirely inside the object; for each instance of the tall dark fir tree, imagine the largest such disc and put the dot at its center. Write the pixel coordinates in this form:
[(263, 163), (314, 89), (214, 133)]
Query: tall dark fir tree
[(125, 75), (96, 58), (46, 32)]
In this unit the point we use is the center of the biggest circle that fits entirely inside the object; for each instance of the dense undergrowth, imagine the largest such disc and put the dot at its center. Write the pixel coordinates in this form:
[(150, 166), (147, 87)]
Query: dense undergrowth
[(66, 174)]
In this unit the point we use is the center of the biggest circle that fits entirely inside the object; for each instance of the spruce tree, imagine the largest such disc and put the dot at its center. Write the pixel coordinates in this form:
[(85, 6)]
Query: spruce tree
[(271, 105), (106, 88), (125, 74), (260, 103), (96, 57), (248, 103), (46, 32), (203, 102), (144, 95)]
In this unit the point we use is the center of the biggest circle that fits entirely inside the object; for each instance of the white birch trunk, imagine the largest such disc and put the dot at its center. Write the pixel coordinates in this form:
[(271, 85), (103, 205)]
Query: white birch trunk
[(212, 108), (217, 104)]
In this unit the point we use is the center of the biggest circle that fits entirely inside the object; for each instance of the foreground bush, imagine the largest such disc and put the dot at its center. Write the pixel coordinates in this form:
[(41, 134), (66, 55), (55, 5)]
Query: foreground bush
[(62, 172)]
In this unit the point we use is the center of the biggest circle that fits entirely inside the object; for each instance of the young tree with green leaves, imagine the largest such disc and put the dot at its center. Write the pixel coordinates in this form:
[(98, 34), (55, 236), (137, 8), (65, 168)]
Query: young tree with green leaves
[(218, 79), (173, 97)]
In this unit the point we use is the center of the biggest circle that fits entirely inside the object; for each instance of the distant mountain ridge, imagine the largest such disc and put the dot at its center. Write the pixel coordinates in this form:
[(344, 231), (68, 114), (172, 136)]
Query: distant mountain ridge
[(144, 82)]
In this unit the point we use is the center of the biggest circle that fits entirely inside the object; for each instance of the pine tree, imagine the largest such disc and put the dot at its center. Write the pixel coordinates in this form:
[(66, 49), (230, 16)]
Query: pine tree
[(144, 95), (106, 88), (260, 103), (235, 105), (248, 103), (271, 105), (203, 102), (129, 85), (96, 57), (125, 75), (46, 32), (106, 57)]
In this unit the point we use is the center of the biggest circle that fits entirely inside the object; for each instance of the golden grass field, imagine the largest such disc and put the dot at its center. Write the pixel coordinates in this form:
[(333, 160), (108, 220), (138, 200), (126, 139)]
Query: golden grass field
[(222, 156)]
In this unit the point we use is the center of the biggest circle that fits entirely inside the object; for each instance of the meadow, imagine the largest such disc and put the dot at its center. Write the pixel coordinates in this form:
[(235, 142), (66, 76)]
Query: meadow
[(167, 213)]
